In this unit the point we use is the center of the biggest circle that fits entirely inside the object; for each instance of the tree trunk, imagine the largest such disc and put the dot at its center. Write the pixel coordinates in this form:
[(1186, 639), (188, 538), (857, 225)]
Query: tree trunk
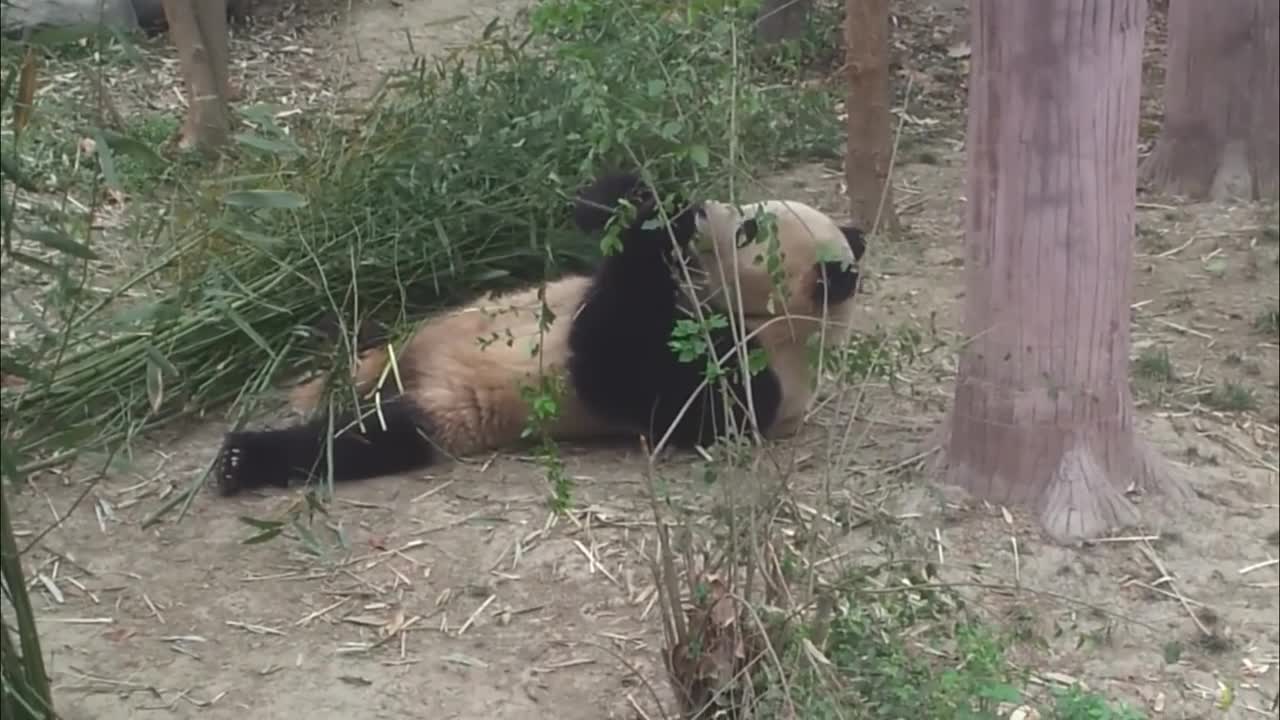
[(1043, 415), (780, 20), (870, 142), (1221, 134), (199, 31)]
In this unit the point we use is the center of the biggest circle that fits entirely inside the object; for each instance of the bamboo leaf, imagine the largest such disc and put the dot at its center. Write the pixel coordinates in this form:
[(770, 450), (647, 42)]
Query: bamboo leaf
[(62, 242), (106, 160), (132, 147), (273, 147), (261, 524), (65, 35), (34, 263), (156, 357), (155, 385), (263, 536), (265, 199), (9, 168), (247, 329), (257, 239)]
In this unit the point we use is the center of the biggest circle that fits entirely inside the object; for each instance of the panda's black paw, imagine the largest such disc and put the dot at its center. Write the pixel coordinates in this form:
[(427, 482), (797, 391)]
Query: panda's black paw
[(248, 460)]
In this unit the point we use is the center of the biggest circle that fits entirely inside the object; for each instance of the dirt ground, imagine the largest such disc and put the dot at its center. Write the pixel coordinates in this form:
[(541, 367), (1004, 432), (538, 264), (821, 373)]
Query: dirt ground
[(463, 597)]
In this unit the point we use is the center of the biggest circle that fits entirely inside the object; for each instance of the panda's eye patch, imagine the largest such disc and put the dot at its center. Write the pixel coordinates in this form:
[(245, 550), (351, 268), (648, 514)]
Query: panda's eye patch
[(748, 231)]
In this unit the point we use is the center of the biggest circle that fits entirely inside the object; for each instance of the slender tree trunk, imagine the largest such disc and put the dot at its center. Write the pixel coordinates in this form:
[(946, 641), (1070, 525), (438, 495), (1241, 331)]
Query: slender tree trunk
[(1043, 416), (199, 31), (780, 20), (1222, 102), (870, 142)]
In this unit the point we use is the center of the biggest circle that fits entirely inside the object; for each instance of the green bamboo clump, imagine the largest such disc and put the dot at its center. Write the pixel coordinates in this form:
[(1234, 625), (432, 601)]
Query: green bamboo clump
[(455, 180)]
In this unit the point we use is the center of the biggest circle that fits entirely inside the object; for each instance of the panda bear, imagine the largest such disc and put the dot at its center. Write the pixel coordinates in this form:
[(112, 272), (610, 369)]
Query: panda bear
[(454, 387)]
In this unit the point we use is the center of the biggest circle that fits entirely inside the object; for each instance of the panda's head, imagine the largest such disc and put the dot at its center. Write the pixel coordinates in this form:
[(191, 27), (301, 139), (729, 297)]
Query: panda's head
[(780, 261), (777, 263)]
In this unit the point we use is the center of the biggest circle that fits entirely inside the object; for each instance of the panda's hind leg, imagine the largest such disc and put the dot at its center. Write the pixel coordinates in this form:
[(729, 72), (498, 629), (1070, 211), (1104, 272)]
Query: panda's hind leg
[(392, 440)]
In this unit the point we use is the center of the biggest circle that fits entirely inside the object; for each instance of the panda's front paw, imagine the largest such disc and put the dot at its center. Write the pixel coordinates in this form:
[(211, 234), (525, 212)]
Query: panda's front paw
[(247, 461)]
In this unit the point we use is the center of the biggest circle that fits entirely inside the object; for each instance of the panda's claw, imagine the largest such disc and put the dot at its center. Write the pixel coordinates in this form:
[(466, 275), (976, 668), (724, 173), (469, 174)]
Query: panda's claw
[(245, 463), (226, 474)]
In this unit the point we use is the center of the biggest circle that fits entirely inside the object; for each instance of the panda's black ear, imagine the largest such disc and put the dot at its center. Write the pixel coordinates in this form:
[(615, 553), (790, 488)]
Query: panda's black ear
[(596, 204), (836, 282), (857, 241)]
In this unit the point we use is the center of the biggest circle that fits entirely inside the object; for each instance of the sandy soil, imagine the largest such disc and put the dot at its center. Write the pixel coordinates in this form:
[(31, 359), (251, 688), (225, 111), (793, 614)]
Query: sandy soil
[(461, 596)]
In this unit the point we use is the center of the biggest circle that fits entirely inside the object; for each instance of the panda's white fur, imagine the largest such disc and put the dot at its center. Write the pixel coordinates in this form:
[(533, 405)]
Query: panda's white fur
[(455, 384)]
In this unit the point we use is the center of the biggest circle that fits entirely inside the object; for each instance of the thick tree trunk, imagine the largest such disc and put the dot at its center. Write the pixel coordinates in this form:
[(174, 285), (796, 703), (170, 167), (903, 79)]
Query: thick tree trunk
[(1221, 134), (199, 31), (870, 134), (1043, 416), (780, 20)]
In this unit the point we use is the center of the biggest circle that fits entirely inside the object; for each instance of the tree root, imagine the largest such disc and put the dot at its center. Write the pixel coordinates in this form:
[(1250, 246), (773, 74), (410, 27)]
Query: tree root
[(1081, 499)]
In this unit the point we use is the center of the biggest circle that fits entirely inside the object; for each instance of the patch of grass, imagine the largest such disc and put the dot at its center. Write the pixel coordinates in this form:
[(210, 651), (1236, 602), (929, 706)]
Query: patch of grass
[(874, 672), (1153, 373), (1153, 240), (865, 642), (882, 354), (455, 180), (1268, 322), (1230, 397), (1270, 224), (1076, 704), (1153, 364)]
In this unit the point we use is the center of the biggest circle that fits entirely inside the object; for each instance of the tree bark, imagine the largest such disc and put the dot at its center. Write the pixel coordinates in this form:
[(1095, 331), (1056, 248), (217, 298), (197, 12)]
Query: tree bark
[(1220, 138), (869, 149), (780, 20), (1043, 415), (199, 31)]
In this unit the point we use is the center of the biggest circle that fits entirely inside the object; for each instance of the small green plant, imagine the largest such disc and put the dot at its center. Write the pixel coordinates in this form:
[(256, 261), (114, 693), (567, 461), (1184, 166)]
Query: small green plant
[(1268, 322), (876, 674), (1153, 373), (1076, 704), (880, 354), (24, 684), (1230, 397), (1152, 240), (299, 518), (544, 409), (543, 400), (1153, 364)]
